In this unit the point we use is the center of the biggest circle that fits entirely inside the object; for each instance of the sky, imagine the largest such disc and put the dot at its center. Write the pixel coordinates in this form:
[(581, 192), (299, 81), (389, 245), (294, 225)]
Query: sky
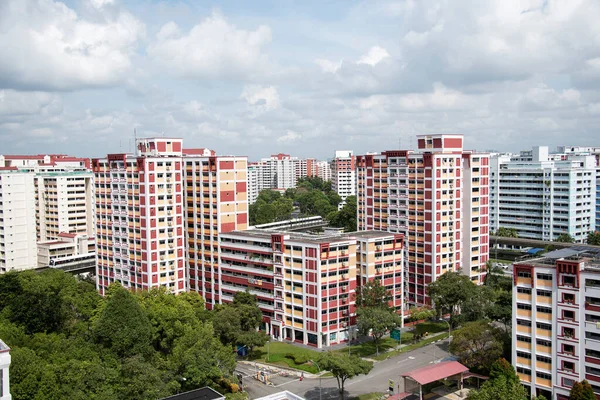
[(300, 77)]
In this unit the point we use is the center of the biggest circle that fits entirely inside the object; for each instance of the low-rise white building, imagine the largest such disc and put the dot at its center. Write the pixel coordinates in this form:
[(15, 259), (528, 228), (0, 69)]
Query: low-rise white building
[(4, 372)]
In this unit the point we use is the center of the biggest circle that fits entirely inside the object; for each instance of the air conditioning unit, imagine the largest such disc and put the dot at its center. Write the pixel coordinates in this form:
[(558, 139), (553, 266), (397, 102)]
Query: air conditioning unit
[(170, 234), (168, 212), (162, 257), (345, 300), (170, 223), (344, 312), (171, 245), (168, 168)]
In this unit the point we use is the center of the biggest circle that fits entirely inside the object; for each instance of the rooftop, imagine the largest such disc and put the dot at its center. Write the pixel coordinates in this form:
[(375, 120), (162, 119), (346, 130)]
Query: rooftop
[(204, 393), (588, 255), (3, 347), (436, 372)]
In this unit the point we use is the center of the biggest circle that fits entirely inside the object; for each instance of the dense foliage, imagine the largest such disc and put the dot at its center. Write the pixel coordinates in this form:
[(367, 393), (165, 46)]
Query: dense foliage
[(343, 366), (312, 196), (374, 314), (593, 238), (68, 342), (507, 232)]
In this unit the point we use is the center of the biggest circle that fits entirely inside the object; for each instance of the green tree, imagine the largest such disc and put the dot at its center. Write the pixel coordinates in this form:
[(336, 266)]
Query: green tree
[(507, 232), (477, 344), (227, 324), (122, 325), (200, 358), (582, 391), (565, 238), (169, 315), (372, 294), (346, 217), (420, 313), (377, 321), (450, 291), (499, 389), (593, 238), (502, 368), (270, 206), (343, 367)]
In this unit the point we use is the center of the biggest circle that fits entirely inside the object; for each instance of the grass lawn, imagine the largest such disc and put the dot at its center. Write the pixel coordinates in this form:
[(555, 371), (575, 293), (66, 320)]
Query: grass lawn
[(431, 327), (368, 396), (277, 352)]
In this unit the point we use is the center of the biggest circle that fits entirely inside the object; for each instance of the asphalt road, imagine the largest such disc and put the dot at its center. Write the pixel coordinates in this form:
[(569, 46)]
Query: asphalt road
[(375, 381)]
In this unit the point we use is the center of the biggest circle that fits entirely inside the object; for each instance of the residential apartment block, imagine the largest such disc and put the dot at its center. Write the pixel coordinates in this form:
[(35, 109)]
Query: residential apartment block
[(437, 197), (543, 195), (4, 372), (556, 321), (41, 197), (305, 283), (158, 214), (216, 202), (343, 174)]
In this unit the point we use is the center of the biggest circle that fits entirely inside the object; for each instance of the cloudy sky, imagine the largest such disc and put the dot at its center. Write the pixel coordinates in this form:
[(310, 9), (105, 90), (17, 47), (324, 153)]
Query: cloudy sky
[(301, 77)]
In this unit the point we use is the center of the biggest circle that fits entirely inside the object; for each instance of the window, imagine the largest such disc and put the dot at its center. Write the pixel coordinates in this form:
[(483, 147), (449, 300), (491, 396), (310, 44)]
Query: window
[(569, 315), (569, 332), (544, 277), (523, 339), (568, 366), (544, 293), (543, 375), (525, 274), (524, 290), (569, 349), (543, 359), (543, 309), (541, 325), (542, 342), (523, 322), (522, 306), (522, 354), (569, 298), (569, 281), (525, 371)]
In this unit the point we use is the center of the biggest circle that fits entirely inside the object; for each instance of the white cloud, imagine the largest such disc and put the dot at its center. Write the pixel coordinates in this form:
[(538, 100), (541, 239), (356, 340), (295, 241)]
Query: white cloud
[(18, 104), (101, 3), (46, 45), (329, 66), (213, 48), (374, 56), (261, 99), (289, 137)]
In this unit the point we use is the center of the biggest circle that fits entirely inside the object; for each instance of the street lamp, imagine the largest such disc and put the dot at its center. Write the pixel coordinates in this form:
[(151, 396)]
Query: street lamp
[(320, 386)]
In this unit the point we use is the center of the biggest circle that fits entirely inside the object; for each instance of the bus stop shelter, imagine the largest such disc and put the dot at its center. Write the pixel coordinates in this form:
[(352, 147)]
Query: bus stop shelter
[(417, 378)]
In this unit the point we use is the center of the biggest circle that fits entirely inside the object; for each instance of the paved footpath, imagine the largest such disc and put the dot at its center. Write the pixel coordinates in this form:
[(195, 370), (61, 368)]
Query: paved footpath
[(309, 387)]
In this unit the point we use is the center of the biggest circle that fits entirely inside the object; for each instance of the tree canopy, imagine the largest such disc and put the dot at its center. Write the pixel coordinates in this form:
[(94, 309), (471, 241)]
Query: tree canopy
[(346, 217), (343, 366), (593, 238), (270, 206), (450, 291), (503, 384), (126, 345), (477, 344), (507, 232), (582, 391), (565, 238)]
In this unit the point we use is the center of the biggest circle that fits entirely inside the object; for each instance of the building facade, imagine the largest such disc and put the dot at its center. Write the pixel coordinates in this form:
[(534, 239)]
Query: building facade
[(4, 372), (305, 283), (543, 195), (159, 214), (140, 217), (437, 197), (216, 202), (51, 193), (343, 174), (18, 233), (556, 322)]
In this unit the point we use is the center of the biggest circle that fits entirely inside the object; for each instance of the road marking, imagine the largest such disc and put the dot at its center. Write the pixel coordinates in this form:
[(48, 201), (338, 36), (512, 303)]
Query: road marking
[(281, 384), (406, 359)]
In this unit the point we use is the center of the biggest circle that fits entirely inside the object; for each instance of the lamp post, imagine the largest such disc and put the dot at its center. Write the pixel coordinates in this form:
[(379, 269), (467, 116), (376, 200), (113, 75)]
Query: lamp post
[(320, 386)]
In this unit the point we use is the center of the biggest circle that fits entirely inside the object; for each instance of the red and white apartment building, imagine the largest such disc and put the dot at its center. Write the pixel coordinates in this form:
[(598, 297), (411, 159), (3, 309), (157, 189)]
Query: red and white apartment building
[(436, 196), (556, 321), (149, 205), (305, 283)]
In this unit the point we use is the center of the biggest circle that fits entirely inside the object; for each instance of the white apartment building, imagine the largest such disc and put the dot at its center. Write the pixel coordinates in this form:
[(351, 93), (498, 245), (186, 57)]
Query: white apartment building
[(343, 174), (543, 195), (18, 234), (4, 372), (556, 321), (278, 172), (254, 171), (324, 170), (437, 197)]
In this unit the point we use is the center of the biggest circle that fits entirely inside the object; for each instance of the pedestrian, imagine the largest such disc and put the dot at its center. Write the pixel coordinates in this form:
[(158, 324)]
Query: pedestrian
[(301, 376)]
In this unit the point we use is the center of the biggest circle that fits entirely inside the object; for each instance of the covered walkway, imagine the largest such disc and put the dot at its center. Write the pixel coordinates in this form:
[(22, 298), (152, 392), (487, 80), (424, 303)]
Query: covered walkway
[(416, 379)]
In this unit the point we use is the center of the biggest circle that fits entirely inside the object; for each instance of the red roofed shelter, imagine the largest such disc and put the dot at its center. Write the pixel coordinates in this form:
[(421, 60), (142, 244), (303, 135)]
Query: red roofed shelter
[(436, 372)]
